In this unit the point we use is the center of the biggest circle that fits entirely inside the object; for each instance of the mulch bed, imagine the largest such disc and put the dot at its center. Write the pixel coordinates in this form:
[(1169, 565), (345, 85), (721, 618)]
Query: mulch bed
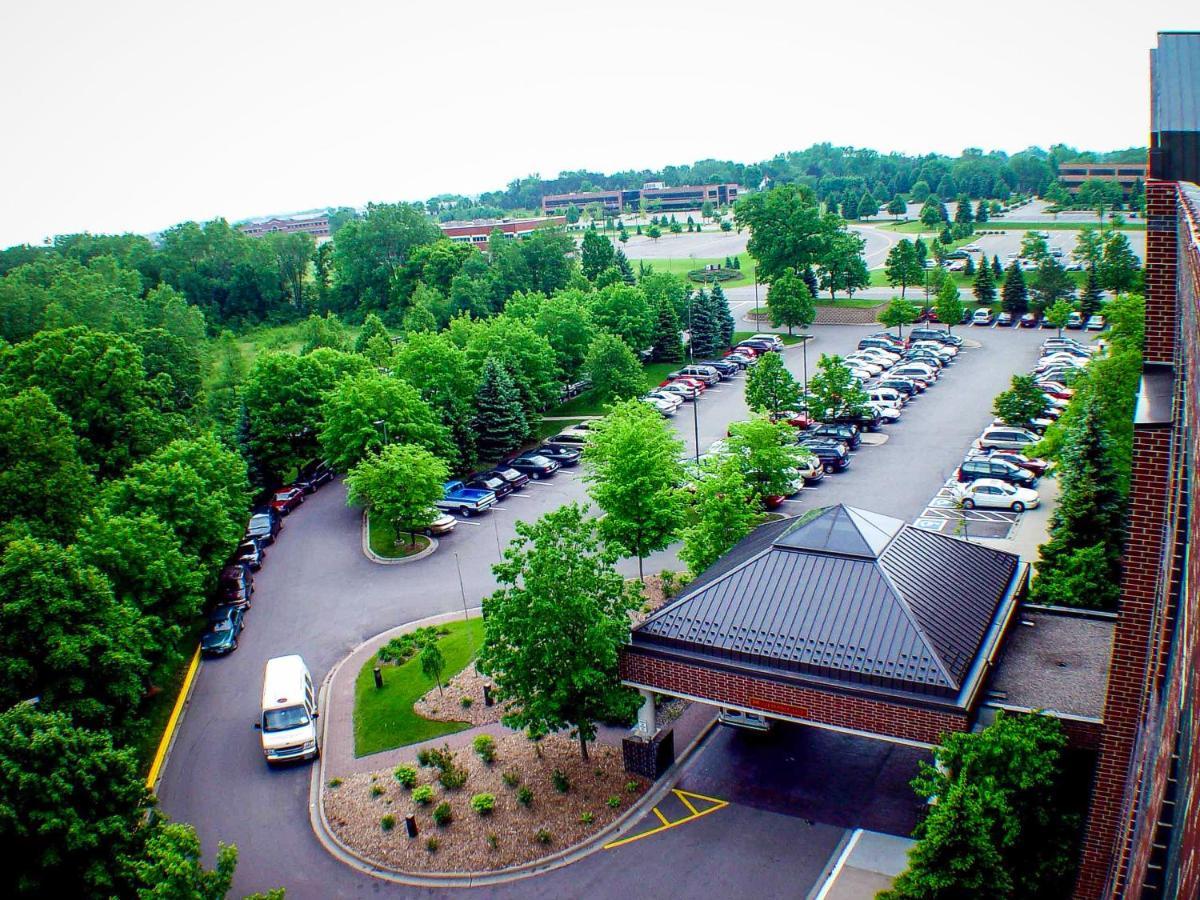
[(466, 843)]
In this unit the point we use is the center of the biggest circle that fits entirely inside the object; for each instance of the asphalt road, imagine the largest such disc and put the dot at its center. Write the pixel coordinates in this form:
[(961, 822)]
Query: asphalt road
[(317, 595)]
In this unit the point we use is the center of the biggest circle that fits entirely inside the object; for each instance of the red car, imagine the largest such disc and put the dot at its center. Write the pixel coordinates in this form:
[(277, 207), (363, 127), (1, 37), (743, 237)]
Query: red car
[(690, 382), (287, 499), (793, 418), (1056, 390)]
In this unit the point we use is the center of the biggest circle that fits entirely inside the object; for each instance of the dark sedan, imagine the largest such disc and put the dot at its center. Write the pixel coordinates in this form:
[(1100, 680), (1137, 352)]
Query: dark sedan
[(534, 465), (220, 635), (1037, 466), (263, 528), (236, 585), (564, 456), (725, 367), (517, 479), (249, 554), (906, 386), (313, 475), (491, 481), (1029, 320), (845, 432)]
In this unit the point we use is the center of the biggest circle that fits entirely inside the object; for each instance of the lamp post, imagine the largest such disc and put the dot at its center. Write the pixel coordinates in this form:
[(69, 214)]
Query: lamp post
[(382, 423), (696, 398)]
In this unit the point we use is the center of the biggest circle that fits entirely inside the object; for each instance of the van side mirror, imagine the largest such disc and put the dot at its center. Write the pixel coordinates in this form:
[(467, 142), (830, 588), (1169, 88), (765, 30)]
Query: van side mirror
[(258, 726)]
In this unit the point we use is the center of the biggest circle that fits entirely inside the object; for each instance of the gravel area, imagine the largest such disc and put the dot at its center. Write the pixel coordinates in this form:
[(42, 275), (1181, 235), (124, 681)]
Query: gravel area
[(447, 705), (507, 836)]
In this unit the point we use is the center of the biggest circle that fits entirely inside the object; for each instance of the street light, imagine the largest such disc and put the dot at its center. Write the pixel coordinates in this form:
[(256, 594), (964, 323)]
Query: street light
[(382, 423), (696, 398)]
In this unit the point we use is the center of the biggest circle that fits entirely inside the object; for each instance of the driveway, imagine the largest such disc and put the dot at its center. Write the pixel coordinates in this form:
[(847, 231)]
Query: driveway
[(318, 596)]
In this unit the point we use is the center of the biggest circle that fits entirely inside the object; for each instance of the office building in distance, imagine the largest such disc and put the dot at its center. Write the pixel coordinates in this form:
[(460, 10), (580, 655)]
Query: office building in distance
[(1072, 175), (652, 197)]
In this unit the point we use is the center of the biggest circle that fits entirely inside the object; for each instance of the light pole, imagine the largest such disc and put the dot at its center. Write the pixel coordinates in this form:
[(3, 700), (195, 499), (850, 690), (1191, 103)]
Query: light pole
[(757, 321), (696, 398), (382, 423)]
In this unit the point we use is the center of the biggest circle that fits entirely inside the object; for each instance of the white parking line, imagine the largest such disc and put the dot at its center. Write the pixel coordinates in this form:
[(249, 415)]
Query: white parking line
[(516, 497), (462, 521)]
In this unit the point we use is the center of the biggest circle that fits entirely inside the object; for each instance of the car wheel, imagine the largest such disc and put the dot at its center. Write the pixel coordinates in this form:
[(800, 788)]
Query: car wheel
[(1018, 507), (828, 468), (536, 476), (968, 503), (466, 512), (233, 646)]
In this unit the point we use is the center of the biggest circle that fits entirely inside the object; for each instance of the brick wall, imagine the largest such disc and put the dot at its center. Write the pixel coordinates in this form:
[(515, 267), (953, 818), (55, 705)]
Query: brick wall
[(843, 710), (1161, 251)]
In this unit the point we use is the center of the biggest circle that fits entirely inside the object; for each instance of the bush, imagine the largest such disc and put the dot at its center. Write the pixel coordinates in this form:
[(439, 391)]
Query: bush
[(406, 775), (423, 794), (437, 758), (335, 782), (423, 758), (614, 801), (442, 815), (493, 840), (466, 702), (631, 786), (512, 779), (483, 803), (387, 823), (587, 817), (525, 796), (376, 790), (485, 746), (401, 649), (452, 777), (432, 844), (542, 836), (562, 783), (598, 772)]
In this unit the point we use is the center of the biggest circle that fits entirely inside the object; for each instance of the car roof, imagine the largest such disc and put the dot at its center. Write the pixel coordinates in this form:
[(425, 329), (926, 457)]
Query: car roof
[(992, 482)]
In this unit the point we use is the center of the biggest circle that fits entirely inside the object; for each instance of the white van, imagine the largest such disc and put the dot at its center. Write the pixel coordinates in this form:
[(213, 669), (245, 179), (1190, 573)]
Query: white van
[(289, 711), (890, 396), (735, 718)]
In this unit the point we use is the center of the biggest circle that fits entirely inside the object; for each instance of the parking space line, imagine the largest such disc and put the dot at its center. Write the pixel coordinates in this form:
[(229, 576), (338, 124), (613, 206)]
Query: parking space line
[(683, 797), (467, 522), (661, 817)]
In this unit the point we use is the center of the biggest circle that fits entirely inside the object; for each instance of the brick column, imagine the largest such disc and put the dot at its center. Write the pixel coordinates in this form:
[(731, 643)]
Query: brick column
[(1108, 815), (1162, 249)]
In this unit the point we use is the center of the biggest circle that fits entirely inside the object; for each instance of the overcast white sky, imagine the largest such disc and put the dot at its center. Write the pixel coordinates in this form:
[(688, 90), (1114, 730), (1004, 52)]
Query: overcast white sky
[(132, 116)]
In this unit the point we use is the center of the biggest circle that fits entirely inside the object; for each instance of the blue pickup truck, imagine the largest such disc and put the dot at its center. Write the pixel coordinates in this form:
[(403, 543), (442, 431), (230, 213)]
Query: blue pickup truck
[(468, 501)]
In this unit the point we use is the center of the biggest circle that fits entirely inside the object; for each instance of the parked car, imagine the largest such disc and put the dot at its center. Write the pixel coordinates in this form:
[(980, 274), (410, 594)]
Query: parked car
[(1007, 437), (1004, 320), (707, 374), (886, 411), (443, 523), (846, 432), (221, 630), (982, 316), (867, 420), (833, 455), (967, 317), (945, 350), (313, 475), (920, 370), (993, 494), (264, 527), (864, 364), (684, 390), (755, 344), (1060, 342), (534, 465), (743, 359), (910, 387), (698, 383), (793, 418), (934, 334), (569, 439), (974, 468), (285, 500), (457, 497), (517, 479), (662, 407), (774, 340), (810, 468), (726, 368), (928, 357), (235, 585), (1029, 320), (249, 554), (1075, 321), (671, 397), (1032, 464), (489, 481), (566, 457), (1096, 323), (892, 396)]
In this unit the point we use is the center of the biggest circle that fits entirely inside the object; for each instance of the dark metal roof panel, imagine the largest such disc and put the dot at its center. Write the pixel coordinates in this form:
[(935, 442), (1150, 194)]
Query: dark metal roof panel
[(1175, 74)]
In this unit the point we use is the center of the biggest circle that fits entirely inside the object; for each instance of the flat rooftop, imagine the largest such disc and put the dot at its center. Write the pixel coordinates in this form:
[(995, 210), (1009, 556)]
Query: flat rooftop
[(1055, 661)]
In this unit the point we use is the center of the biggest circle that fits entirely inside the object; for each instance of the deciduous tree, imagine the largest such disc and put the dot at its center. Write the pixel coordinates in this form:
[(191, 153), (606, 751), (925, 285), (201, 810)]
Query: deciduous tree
[(770, 387), (833, 390), (615, 371), (790, 303), (767, 454), (897, 314), (399, 484), (903, 268), (721, 512)]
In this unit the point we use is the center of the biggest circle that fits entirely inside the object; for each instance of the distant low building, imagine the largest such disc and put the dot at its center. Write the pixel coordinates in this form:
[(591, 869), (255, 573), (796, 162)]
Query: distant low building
[(317, 226), (1072, 175), (478, 231), (654, 196)]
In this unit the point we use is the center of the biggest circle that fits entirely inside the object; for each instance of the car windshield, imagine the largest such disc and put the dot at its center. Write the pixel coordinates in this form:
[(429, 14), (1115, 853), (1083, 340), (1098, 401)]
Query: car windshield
[(283, 495), (221, 625), (284, 719)]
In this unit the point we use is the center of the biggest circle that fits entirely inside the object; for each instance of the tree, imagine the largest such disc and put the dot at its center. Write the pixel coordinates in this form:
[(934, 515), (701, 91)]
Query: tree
[(903, 267), (720, 514), (868, 206), (1014, 298), (624, 311), (572, 214), (653, 232), (898, 313), (931, 216), (668, 347), (1119, 269), (596, 254), (372, 327), (897, 207), (962, 210), (528, 357), (770, 387), (293, 251), (842, 265), (399, 484), (981, 212), (368, 252), (833, 390), (790, 303), (365, 411), (997, 268), (1089, 247), (565, 321), (767, 454), (920, 191), (433, 663), (71, 805), (1021, 403), (499, 423), (171, 866), (1034, 247), (787, 229), (1052, 283), (1091, 299), (724, 318), (633, 471), (1059, 313), (615, 371), (706, 209), (557, 579), (984, 287)]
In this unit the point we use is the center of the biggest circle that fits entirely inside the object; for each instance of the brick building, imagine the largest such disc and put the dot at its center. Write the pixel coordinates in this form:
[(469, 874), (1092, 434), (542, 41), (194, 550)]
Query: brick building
[(1127, 175), (477, 232), (1143, 829), (317, 226), (654, 197)]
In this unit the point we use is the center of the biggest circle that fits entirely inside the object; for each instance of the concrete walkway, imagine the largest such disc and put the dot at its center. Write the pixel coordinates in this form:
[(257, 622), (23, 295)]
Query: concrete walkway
[(1032, 528), (868, 863)]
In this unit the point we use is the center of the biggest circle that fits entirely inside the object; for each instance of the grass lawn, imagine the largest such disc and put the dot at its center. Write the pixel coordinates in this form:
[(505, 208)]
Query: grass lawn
[(1056, 226), (547, 429), (739, 336), (384, 719), (382, 538), (683, 265)]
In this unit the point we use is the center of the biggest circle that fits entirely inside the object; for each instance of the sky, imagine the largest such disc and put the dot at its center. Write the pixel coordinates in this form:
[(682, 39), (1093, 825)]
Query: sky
[(133, 116)]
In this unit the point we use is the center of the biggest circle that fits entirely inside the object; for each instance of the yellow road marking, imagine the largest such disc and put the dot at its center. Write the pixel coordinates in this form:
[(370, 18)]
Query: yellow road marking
[(683, 798), (161, 754)]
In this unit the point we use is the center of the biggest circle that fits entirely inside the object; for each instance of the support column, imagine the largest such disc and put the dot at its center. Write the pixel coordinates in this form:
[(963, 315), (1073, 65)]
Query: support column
[(646, 727), (647, 751)]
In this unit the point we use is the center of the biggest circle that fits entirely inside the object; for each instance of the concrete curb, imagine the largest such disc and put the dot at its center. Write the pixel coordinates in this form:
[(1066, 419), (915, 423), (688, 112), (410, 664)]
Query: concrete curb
[(345, 854), (384, 561), (167, 742)]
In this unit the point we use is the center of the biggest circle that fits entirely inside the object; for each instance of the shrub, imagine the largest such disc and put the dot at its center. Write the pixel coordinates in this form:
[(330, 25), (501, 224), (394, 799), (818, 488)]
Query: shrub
[(512, 779), (335, 782), (631, 786), (587, 817), (406, 775), (598, 772), (401, 649), (432, 844), (483, 803), (423, 758), (387, 823), (437, 758), (376, 790), (485, 746), (562, 783), (525, 796), (442, 815), (466, 702), (422, 794), (542, 836), (452, 777), (614, 801), (493, 840)]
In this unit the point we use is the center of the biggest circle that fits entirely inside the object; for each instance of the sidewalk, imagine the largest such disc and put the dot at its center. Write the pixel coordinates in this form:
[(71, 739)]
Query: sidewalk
[(868, 864), (1032, 528)]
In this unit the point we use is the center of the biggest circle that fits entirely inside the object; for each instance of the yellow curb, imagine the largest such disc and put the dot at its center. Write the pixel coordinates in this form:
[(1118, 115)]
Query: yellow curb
[(164, 745)]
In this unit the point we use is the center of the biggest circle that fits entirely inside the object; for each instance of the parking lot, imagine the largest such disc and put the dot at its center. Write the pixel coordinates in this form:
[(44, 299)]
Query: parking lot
[(318, 595)]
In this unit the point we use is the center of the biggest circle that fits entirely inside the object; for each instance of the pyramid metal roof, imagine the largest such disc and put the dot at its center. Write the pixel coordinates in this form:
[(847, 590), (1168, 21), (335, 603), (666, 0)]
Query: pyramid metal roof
[(849, 595)]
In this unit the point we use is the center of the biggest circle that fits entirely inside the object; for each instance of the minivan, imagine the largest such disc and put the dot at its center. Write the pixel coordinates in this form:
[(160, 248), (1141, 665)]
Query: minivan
[(890, 396), (289, 711), (982, 467), (707, 374), (1006, 437)]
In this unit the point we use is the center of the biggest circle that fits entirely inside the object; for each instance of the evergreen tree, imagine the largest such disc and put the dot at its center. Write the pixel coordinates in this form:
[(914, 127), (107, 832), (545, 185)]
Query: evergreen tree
[(1090, 301), (621, 262), (703, 325), (1015, 297), (997, 267), (985, 284), (969, 268), (725, 323), (945, 187), (668, 347), (868, 206), (921, 249), (981, 212), (500, 422), (962, 211), (809, 277)]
